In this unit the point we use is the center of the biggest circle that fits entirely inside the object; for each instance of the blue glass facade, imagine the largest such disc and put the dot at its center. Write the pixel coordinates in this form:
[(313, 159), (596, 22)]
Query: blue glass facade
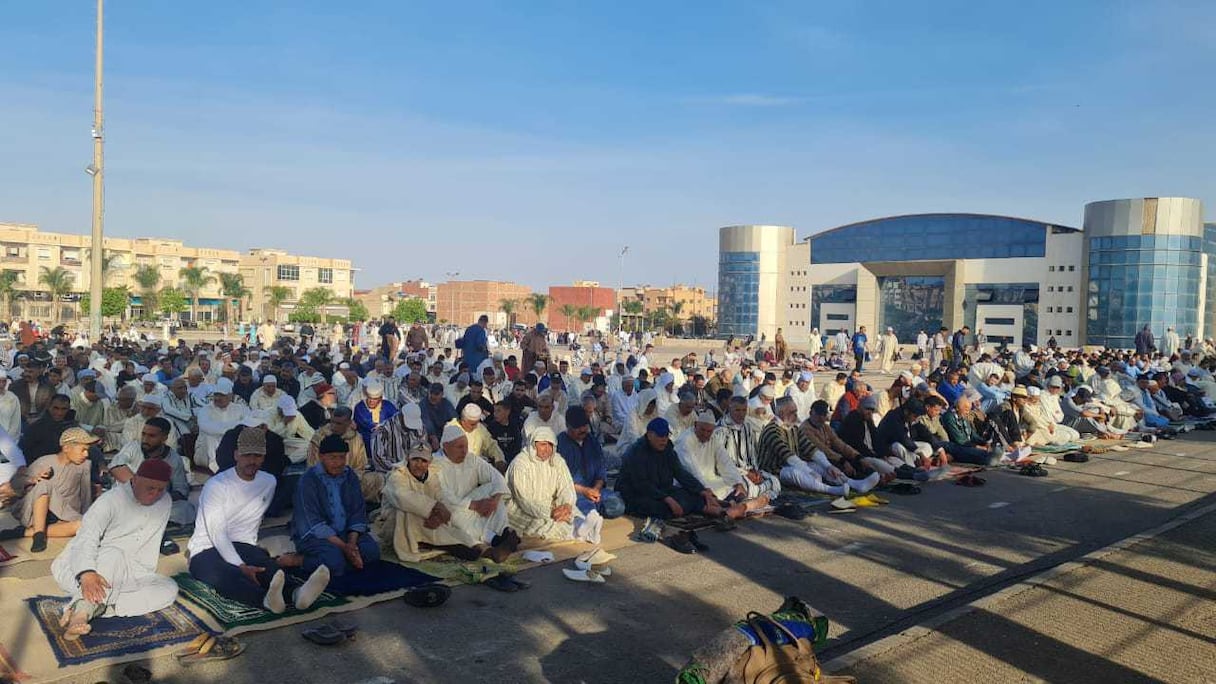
[(1025, 294), (930, 236), (910, 304), (1142, 279), (738, 293), (1209, 311)]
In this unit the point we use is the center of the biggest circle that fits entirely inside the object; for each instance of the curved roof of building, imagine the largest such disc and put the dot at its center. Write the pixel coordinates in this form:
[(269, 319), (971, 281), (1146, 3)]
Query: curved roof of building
[(916, 237)]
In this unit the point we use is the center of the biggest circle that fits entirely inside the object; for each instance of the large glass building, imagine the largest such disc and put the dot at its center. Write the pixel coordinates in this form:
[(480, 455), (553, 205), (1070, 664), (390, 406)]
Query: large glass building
[(925, 271), (1147, 263), (750, 262)]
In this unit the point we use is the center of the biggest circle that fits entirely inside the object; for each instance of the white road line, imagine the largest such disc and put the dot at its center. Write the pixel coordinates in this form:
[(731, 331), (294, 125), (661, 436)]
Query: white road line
[(998, 504)]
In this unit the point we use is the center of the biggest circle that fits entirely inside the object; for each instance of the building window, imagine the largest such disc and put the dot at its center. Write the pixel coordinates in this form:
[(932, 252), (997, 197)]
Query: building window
[(1051, 269), (998, 321), (1069, 310), (288, 272), (1049, 309), (325, 275), (44, 253), (1070, 288), (1072, 268), (1068, 332), (1051, 288)]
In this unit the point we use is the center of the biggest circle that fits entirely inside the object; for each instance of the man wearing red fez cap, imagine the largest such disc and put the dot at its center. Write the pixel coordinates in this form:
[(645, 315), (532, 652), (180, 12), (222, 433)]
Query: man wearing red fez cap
[(109, 567)]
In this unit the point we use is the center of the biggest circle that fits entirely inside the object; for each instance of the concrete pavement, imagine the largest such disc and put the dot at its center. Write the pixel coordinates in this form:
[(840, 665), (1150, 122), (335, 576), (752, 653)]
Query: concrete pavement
[(873, 573)]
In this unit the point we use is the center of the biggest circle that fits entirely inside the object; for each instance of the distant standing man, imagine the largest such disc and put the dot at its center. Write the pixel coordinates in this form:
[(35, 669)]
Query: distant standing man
[(475, 344), (859, 348), (888, 347), (390, 338), (416, 339)]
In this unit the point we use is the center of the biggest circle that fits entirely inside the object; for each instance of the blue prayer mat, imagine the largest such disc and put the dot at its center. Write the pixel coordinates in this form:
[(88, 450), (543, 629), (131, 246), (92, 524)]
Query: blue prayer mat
[(378, 578), (113, 636)]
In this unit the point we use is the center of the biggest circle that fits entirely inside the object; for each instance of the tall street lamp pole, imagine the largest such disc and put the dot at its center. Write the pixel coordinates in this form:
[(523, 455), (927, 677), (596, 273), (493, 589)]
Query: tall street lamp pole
[(95, 276)]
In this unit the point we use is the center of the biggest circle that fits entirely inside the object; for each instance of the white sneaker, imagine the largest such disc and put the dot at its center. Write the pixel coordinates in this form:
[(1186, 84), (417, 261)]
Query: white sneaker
[(583, 576), (273, 601), (307, 594), (864, 485)]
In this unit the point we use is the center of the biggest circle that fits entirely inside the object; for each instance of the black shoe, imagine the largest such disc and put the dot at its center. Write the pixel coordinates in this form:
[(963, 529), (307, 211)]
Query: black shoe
[(680, 542), (39, 544), (502, 583), (12, 533), (697, 543), (790, 511)]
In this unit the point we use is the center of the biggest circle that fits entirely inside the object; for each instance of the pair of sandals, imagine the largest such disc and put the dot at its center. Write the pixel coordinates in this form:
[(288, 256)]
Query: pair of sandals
[(1034, 470), (208, 647), (331, 633), (970, 480), (686, 542), (506, 583)]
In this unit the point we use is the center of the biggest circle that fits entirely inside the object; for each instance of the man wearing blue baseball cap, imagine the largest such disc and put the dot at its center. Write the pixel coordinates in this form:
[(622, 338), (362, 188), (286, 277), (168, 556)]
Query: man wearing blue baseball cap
[(648, 471)]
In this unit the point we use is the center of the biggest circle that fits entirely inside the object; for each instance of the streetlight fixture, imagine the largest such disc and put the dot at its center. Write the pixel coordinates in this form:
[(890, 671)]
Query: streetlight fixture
[(620, 285)]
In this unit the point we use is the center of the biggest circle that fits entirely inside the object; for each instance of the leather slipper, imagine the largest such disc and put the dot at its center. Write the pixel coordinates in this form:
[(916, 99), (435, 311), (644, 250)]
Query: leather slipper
[(427, 596), (323, 635), (501, 583)]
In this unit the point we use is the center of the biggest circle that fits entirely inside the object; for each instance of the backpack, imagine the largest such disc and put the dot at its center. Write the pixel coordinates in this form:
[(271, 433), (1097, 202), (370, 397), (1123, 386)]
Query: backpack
[(792, 662)]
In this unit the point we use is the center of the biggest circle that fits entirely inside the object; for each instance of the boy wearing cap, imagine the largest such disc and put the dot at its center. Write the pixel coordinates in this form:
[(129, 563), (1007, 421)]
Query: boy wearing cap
[(61, 494), (109, 568), (223, 550), (329, 522)]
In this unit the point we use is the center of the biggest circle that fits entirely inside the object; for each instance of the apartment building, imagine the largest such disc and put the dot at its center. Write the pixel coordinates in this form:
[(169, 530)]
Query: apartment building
[(265, 269), (29, 253), (689, 299), (461, 302), (382, 299)]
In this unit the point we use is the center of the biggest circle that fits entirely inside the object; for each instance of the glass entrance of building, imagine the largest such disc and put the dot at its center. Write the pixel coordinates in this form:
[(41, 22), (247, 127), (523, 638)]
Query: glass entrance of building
[(910, 304)]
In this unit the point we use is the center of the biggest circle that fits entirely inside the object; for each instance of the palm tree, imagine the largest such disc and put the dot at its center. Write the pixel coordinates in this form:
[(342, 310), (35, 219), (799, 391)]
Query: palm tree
[(8, 287), (634, 309), (315, 300), (275, 296), (587, 314), (232, 286), (507, 306), (148, 279), (194, 279), (538, 302), (111, 263), (58, 282), (569, 311)]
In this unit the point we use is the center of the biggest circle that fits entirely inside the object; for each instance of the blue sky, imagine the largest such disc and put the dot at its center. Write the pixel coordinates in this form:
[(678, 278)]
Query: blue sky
[(531, 140)]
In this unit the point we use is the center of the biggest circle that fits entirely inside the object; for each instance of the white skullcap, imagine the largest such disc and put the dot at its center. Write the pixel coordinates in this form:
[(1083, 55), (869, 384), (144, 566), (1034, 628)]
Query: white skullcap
[(471, 411), (152, 399), (373, 389), (223, 386), (1033, 391), (148, 377), (451, 433), (269, 379), (665, 380), (344, 366), (768, 391), (806, 376), (706, 417), (288, 406)]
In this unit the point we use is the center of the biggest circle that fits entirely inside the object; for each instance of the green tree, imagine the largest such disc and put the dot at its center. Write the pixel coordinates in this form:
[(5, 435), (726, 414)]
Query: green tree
[(275, 296), (311, 304), (8, 288), (58, 282), (232, 287), (194, 279), (412, 310), (569, 311), (538, 302), (508, 306), (172, 301), (587, 314), (148, 279), (634, 309), (356, 311), (114, 301)]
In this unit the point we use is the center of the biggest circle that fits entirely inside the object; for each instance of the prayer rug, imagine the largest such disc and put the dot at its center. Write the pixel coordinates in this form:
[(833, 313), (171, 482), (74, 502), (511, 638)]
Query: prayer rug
[(230, 614), (378, 578), (452, 571), (113, 636)]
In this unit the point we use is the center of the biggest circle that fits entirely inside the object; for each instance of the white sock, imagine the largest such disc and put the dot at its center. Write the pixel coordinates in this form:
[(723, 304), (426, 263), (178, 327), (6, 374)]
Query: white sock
[(865, 485), (307, 593), (837, 490), (273, 601)]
